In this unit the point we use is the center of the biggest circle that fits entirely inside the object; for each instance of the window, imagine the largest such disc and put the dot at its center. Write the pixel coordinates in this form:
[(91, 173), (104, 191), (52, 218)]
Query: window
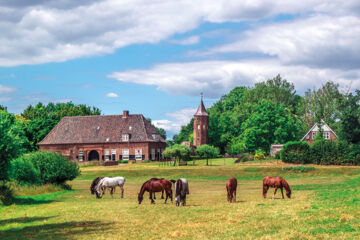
[(113, 154), (326, 135), (125, 154), (152, 154), (81, 155), (107, 154), (125, 137), (204, 127), (138, 154), (199, 127), (313, 135)]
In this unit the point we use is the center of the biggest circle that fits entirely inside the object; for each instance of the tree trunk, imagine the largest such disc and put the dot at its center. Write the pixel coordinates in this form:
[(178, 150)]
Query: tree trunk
[(207, 162)]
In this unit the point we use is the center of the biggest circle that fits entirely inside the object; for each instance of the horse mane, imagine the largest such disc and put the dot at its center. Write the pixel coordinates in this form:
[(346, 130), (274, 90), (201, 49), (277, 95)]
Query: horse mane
[(285, 184), (94, 183), (178, 187), (172, 180)]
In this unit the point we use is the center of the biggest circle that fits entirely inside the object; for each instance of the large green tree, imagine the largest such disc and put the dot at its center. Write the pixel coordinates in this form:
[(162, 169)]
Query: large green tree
[(350, 117), (12, 141), (177, 152), (206, 151)]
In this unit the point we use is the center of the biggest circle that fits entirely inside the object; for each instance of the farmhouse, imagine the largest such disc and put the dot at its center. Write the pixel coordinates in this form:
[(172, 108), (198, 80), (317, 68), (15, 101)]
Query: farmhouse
[(107, 137), (328, 133)]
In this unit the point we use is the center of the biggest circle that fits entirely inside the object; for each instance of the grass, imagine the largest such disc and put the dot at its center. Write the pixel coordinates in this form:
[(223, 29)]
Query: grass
[(325, 205)]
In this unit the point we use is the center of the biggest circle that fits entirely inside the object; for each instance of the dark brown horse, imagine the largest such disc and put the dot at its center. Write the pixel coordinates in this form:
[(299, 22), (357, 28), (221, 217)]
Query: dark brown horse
[(231, 186), (153, 186), (162, 192), (276, 182)]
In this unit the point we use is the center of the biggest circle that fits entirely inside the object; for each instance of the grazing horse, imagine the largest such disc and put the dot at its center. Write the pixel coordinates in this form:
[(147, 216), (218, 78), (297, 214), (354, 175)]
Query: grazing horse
[(162, 192), (181, 189), (93, 185), (276, 182), (152, 186), (110, 182), (231, 185)]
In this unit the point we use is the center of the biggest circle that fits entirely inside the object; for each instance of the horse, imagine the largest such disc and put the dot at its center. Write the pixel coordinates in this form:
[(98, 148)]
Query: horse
[(181, 189), (152, 186), (276, 182), (110, 182), (162, 192), (231, 185), (93, 185)]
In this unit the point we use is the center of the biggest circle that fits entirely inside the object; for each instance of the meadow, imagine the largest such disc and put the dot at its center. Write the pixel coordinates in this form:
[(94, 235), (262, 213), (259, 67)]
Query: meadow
[(325, 205)]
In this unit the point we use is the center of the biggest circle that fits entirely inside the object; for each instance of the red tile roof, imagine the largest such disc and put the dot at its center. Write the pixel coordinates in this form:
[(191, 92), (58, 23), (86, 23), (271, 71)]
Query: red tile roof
[(102, 129)]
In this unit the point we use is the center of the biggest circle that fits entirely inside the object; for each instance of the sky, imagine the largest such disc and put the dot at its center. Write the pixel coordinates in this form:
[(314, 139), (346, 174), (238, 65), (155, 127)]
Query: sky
[(155, 57)]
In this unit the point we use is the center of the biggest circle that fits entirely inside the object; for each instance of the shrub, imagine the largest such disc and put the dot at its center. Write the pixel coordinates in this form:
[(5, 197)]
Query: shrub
[(52, 168), (325, 152), (23, 171), (123, 161), (298, 168), (259, 155), (295, 152)]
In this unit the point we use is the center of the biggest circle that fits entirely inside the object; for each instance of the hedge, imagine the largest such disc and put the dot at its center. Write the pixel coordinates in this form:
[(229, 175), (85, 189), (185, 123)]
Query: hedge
[(295, 152)]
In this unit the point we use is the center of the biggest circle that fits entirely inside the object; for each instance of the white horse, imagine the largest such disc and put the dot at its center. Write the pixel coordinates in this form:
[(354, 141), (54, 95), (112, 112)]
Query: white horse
[(110, 182), (181, 189)]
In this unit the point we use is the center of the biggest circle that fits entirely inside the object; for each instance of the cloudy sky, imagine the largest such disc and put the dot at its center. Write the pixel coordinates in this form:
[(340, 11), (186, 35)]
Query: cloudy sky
[(155, 57)]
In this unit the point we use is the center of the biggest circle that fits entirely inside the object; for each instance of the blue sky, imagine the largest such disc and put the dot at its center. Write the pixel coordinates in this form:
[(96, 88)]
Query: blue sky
[(155, 57)]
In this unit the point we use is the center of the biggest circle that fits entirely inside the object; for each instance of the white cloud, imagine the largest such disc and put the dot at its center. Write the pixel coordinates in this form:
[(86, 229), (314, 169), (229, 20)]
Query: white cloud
[(111, 95), (320, 41), (34, 32), (6, 93), (178, 118), (216, 78), (6, 89), (187, 41)]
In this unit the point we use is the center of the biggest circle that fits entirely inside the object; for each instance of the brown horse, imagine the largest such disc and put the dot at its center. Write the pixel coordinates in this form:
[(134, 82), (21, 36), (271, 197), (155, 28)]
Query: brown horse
[(231, 186), (162, 192), (153, 186), (276, 182)]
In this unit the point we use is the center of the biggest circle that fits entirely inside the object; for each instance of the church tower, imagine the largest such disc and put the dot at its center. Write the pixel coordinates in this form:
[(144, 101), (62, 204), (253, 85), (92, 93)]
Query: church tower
[(201, 125)]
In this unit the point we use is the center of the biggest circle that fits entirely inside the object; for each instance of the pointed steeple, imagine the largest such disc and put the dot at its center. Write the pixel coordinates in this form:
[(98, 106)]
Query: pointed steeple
[(201, 111)]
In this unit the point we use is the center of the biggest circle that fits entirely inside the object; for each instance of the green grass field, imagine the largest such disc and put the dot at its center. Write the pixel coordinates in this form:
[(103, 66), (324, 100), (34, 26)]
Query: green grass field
[(325, 205)]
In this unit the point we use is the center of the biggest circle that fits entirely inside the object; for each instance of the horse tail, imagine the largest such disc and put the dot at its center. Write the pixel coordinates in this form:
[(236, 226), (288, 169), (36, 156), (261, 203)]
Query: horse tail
[(178, 187)]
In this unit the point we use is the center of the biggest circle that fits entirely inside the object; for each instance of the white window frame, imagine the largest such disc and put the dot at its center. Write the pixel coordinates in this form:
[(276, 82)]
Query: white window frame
[(107, 154), (125, 154), (138, 154), (125, 137), (81, 155), (326, 135)]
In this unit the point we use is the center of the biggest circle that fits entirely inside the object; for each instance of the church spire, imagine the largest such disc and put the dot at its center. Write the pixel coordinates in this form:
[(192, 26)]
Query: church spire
[(201, 111)]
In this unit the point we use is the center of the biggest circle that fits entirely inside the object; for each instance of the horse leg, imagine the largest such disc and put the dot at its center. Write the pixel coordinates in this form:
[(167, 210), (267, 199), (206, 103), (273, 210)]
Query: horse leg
[(282, 193), (276, 188), (152, 200), (167, 195), (265, 189), (162, 194), (122, 191), (235, 195)]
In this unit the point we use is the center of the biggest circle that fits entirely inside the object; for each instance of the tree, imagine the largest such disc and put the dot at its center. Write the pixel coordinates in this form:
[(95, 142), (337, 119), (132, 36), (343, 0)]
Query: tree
[(12, 141), (160, 131), (270, 123), (350, 118), (2, 107), (207, 151), (177, 152), (184, 132)]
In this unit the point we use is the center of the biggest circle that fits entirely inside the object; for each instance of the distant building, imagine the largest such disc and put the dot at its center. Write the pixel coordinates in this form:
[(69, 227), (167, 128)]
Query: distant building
[(275, 149), (328, 133), (106, 137), (201, 125)]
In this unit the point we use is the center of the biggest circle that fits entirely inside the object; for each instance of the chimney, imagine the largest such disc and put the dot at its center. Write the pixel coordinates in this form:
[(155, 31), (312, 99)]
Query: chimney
[(125, 113)]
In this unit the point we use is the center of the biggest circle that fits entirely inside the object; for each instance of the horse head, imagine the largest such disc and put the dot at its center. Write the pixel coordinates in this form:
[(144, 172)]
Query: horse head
[(177, 201), (288, 193), (140, 198)]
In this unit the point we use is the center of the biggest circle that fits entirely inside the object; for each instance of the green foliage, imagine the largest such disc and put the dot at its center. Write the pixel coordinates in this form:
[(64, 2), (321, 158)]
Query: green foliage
[(42, 118), (178, 152), (123, 161), (6, 195), (12, 141), (350, 118), (295, 152), (270, 123), (207, 151), (298, 168), (259, 155), (23, 171), (4, 108), (47, 167), (184, 133), (238, 148), (160, 131)]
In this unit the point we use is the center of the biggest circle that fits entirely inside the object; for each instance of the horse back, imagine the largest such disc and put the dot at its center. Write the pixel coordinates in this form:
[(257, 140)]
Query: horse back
[(231, 183)]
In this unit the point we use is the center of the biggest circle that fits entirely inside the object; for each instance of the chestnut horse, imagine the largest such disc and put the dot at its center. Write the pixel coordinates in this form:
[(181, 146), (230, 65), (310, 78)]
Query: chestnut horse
[(276, 182), (153, 186), (162, 192), (231, 186)]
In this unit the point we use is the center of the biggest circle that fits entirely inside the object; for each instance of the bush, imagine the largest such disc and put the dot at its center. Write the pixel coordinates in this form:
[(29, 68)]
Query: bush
[(23, 171), (295, 152), (259, 155), (298, 168), (52, 168), (123, 161), (6, 195)]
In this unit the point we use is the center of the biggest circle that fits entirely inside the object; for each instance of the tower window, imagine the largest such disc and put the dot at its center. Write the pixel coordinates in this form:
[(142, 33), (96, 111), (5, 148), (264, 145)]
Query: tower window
[(199, 127)]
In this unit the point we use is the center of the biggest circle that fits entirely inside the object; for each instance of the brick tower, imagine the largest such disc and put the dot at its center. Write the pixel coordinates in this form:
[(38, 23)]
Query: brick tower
[(201, 125)]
